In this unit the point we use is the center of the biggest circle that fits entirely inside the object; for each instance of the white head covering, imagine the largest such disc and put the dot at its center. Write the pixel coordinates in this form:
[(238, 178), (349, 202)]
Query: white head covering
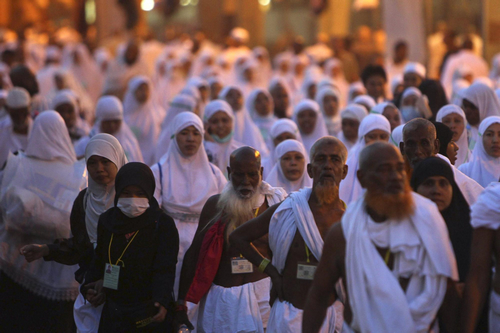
[(187, 181), (365, 100), (143, 119), (483, 168), (222, 150), (463, 153), (415, 67), (263, 123), (380, 107), (397, 135), (411, 91), (355, 112), (320, 127), (276, 178), (333, 124), (355, 87), (280, 81), (49, 139), (350, 189), (240, 34), (245, 129), (395, 82), (100, 198), (65, 96), (18, 98), (484, 98)]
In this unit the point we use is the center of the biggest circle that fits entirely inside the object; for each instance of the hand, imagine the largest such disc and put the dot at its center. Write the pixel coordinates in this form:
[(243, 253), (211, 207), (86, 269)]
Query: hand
[(277, 280), (34, 252), (95, 295), (160, 316), (181, 318)]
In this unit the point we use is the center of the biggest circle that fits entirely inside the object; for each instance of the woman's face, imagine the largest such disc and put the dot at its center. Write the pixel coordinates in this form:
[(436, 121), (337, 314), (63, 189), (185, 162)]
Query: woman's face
[(410, 100), (141, 94), (311, 91), (67, 112), (456, 124), (281, 99), (189, 141), (282, 137), (204, 93), (471, 112), (262, 105), (235, 99), (101, 170), (452, 152), (393, 116), (220, 124), (491, 140), (110, 126), (293, 165), (215, 89), (330, 105), (133, 191), (306, 120), (350, 128), (438, 189), (376, 135)]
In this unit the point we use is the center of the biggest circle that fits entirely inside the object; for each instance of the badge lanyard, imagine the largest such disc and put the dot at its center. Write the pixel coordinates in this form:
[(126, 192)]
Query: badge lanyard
[(126, 247)]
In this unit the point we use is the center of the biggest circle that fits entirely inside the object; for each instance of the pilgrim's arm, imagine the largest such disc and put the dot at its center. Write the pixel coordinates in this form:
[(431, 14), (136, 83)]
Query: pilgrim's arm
[(323, 287), (478, 279)]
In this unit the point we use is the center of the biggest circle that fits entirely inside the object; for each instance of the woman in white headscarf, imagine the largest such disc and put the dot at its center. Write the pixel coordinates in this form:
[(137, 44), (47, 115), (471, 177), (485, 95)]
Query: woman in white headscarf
[(355, 89), (282, 129), (454, 117), (282, 97), (373, 127), (36, 195), (397, 135), (328, 99), (142, 116), (308, 89), (66, 105), (245, 130), (219, 123), (350, 119), (109, 119), (78, 60), (260, 106), (204, 89), (104, 157), (484, 164), (265, 71), (185, 179), (310, 122), (290, 169), (479, 102), (179, 104), (367, 101), (391, 112), (414, 105), (333, 69), (246, 78)]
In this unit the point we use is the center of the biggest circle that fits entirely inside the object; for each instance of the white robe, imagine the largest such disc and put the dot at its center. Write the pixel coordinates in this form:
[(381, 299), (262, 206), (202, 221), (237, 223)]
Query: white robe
[(422, 252), (294, 215)]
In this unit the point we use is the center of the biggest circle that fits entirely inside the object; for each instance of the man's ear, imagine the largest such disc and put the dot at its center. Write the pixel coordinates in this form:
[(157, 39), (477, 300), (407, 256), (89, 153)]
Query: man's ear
[(345, 169), (361, 178), (402, 148), (309, 170), (437, 145), (229, 173)]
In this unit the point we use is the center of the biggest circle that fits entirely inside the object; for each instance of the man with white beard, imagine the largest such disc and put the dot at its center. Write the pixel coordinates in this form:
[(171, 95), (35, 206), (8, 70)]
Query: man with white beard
[(392, 253), (234, 294), (296, 231)]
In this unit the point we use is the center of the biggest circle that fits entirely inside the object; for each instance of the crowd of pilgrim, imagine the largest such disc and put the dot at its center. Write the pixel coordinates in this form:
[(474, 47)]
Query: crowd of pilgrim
[(121, 170)]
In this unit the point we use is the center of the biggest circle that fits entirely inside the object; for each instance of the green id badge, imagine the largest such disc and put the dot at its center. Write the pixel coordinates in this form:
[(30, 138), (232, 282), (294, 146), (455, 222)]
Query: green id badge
[(111, 276), (305, 271)]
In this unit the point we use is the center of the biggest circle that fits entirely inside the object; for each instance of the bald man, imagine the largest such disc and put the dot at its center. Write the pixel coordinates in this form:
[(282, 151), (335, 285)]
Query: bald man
[(233, 293), (391, 250), (296, 229), (420, 141)]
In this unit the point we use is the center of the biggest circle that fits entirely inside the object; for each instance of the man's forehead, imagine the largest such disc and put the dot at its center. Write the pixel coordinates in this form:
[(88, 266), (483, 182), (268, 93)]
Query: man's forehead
[(328, 148), (386, 156), (418, 133)]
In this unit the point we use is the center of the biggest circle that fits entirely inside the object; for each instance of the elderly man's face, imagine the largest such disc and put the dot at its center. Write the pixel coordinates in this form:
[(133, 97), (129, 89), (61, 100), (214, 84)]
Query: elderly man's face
[(327, 166), (418, 145), (387, 173), (246, 175)]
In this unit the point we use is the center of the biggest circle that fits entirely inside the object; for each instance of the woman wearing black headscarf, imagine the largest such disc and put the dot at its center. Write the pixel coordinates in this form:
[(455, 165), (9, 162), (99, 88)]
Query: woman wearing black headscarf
[(447, 147), (133, 270), (435, 94), (434, 179)]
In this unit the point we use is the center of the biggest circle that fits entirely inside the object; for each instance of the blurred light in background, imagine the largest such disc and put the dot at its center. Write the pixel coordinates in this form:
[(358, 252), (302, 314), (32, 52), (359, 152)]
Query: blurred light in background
[(264, 5), (184, 2), (90, 12), (147, 5)]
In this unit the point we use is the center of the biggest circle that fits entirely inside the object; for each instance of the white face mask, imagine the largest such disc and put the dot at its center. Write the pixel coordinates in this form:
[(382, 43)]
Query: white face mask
[(133, 207)]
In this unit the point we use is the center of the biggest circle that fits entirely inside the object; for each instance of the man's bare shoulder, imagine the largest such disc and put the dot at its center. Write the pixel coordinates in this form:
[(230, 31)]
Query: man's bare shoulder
[(335, 240)]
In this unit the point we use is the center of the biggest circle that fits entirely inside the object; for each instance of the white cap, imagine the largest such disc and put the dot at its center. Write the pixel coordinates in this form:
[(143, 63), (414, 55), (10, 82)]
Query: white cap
[(240, 34), (18, 98), (415, 67)]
